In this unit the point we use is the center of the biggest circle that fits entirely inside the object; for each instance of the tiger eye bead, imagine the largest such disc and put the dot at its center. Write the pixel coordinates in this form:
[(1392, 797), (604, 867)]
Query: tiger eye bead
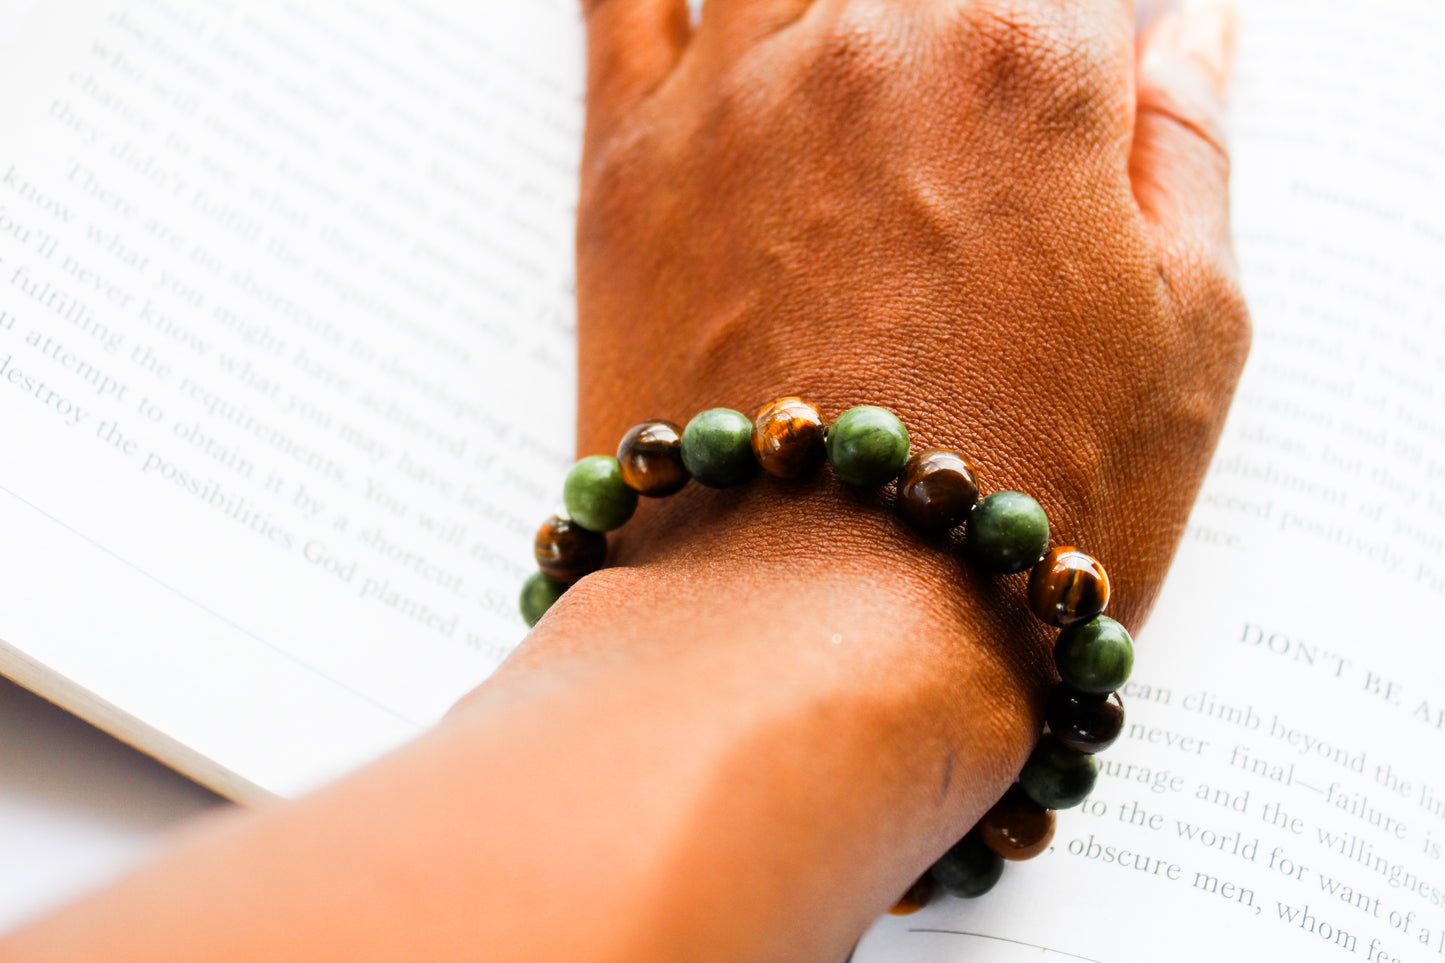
[(918, 896), (650, 456), (937, 490), (1068, 587), (565, 551), (1017, 827), (1084, 721), (788, 438), (969, 868)]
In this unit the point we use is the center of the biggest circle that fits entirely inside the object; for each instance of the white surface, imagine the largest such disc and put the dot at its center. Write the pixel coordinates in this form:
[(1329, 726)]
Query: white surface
[(77, 807), (285, 338)]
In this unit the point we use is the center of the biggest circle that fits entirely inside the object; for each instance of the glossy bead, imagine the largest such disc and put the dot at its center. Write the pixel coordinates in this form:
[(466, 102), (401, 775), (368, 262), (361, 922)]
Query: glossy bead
[(867, 446), (1068, 586), (968, 869), (650, 457), (1057, 777), (937, 490), (1094, 656), (1084, 721), (596, 496), (1007, 532), (788, 438), (717, 448), (917, 896), (565, 551), (538, 594), (1017, 827)]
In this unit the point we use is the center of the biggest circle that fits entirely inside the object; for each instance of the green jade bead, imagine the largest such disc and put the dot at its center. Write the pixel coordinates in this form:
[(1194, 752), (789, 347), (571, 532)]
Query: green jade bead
[(969, 868), (1007, 532), (596, 496), (1095, 656), (717, 448), (868, 446), (538, 594), (1056, 776)]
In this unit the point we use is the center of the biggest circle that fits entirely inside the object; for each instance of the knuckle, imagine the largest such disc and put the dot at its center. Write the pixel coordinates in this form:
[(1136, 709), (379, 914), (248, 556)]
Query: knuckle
[(857, 48), (612, 167), (1016, 33), (1185, 103), (1046, 72), (1205, 126), (1228, 317), (847, 75), (607, 161), (1206, 287)]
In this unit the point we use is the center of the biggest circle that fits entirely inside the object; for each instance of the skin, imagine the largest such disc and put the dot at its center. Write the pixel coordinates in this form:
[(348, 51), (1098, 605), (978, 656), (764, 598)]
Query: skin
[(1003, 220)]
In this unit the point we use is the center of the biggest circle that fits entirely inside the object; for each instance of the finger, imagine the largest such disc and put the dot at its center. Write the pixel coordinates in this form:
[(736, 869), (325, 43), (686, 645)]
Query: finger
[(742, 23), (632, 45), (1178, 163), (1149, 12)]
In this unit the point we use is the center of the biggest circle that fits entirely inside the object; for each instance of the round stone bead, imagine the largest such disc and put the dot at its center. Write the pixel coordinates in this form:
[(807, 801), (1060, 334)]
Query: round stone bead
[(1057, 777), (917, 896), (937, 490), (538, 594), (1068, 586), (565, 551), (1007, 532), (596, 496), (1017, 827), (717, 448), (788, 438), (1084, 721), (867, 446), (1094, 656), (968, 869), (650, 456)]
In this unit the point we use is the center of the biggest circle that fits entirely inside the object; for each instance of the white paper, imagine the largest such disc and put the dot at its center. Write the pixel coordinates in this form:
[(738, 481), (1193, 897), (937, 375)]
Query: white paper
[(285, 364)]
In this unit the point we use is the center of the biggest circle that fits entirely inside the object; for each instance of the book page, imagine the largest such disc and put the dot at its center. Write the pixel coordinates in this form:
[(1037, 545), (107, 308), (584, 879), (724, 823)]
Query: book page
[(1279, 792), (285, 364)]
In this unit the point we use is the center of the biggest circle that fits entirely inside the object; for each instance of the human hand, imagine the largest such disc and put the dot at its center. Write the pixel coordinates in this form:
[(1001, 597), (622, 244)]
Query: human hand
[(1000, 220), (1004, 221)]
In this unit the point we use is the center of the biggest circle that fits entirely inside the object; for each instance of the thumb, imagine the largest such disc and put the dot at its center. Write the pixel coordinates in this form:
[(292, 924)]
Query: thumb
[(1179, 165)]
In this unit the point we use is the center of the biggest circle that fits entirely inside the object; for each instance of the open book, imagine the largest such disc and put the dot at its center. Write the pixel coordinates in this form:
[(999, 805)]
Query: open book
[(286, 385)]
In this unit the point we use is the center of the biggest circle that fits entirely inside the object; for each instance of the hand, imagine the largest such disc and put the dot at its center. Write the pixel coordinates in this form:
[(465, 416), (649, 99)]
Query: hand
[(1002, 220), (1006, 221)]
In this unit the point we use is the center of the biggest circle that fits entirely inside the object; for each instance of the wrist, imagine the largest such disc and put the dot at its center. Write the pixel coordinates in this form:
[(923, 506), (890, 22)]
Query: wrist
[(813, 592), (860, 697)]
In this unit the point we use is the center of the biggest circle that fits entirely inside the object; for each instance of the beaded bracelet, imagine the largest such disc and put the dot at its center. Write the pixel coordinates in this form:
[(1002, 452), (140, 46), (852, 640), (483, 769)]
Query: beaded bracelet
[(1005, 532)]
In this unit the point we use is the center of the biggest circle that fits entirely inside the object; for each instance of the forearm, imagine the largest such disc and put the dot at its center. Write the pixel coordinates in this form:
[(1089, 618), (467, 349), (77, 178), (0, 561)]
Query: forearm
[(721, 754)]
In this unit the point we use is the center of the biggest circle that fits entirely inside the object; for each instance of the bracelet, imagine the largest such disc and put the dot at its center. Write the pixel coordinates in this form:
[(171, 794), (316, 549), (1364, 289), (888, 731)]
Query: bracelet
[(1005, 532)]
